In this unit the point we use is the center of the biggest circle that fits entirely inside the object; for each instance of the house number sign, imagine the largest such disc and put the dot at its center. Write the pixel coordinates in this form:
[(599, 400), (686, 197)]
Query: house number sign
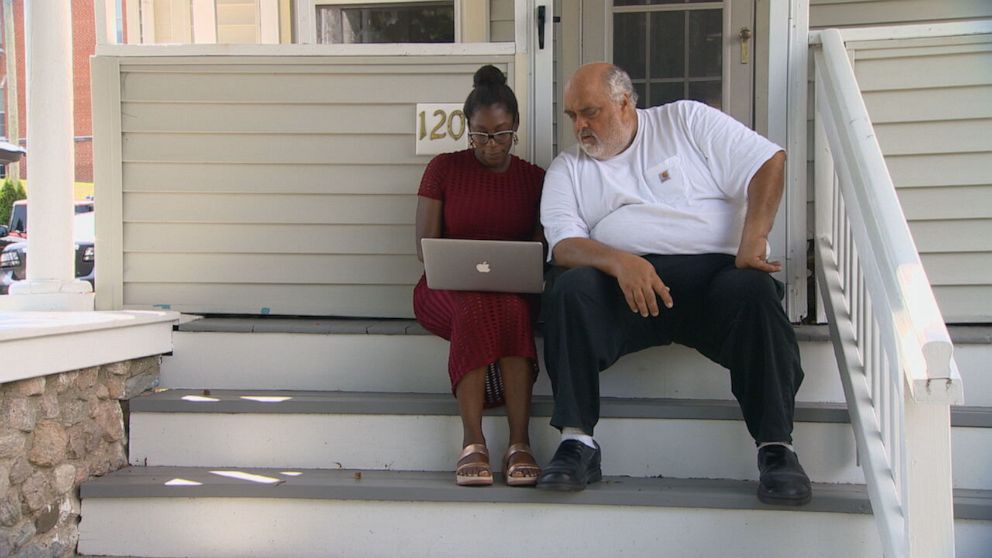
[(441, 128)]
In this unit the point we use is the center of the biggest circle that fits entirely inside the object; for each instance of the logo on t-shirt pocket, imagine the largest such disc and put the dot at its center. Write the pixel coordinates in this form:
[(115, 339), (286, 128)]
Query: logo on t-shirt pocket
[(667, 182)]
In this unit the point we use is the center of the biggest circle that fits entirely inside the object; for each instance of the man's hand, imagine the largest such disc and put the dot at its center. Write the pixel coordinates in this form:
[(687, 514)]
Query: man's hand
[(753, 253), (640, 283), (636, 276)]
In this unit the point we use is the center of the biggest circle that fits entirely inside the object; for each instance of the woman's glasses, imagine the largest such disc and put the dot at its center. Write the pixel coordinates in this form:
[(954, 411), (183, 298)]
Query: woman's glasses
[(482, 138)]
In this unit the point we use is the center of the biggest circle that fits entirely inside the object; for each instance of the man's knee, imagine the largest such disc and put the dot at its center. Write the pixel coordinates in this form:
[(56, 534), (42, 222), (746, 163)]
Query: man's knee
[(752, 285), (577, 283)]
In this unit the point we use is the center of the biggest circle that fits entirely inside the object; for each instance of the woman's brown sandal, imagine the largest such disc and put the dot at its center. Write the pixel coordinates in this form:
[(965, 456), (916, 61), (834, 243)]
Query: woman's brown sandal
[(482, 474), (520, 474)]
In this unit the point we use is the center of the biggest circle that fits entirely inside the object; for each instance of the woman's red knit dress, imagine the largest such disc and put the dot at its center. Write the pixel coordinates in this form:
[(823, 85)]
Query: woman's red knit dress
[(483, 205)]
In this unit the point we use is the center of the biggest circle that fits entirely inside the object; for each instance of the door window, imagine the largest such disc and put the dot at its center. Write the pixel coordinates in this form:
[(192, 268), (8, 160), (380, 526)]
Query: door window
[(672, 49), (420, 22)]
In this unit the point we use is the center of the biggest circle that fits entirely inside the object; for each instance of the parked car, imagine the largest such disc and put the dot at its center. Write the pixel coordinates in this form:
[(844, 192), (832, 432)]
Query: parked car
[(14, 258), (18, 225)]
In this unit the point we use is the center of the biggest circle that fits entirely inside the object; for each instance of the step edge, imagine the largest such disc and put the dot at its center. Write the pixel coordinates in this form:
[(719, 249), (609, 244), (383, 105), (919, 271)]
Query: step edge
[(960, 334), (410, 486), (393, 403)]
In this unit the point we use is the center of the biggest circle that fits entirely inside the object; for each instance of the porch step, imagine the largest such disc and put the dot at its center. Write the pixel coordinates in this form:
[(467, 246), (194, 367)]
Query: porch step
[(420, 432), (403, 358), (387, 513), (399, 356)]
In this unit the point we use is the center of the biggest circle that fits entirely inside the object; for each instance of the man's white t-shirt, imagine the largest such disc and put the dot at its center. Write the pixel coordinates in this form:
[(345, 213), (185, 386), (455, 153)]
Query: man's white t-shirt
[(680, 188)]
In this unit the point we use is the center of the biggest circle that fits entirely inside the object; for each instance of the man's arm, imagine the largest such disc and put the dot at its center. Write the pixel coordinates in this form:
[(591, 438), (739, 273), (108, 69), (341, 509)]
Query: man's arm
[(636, 276), (763, 196)]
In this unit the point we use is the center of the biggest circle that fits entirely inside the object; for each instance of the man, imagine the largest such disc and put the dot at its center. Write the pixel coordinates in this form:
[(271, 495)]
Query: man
[(660, 219)]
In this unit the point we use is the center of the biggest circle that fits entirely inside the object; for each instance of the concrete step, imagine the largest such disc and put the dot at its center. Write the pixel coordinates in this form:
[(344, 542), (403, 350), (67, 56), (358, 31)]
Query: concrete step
[(421, 432), (399, 356), (165, 511)]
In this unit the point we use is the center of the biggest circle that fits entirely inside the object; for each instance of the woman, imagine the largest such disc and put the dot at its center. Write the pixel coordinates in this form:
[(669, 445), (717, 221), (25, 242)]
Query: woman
[(484, 193)]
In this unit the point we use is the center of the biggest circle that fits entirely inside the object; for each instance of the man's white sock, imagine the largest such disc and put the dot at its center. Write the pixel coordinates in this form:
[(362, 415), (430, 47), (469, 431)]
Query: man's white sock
[(792, 449), (569, 433)]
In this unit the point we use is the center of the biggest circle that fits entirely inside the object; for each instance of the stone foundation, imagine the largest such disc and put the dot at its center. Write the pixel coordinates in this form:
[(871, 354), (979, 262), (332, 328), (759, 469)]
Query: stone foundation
[(56, 432)]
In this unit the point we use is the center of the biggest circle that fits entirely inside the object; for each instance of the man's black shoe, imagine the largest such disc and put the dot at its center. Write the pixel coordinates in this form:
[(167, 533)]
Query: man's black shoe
[(783, 481), (573, 466)]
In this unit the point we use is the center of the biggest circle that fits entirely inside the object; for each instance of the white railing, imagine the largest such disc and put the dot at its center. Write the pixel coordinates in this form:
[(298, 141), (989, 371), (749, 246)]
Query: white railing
[(892, 347)]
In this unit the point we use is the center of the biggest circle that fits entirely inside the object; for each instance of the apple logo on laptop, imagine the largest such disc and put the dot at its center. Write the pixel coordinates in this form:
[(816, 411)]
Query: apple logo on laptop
[(482, 267)]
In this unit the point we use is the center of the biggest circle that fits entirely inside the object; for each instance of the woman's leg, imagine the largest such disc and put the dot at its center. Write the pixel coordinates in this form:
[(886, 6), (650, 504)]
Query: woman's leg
[(470, 393), (518, 384)]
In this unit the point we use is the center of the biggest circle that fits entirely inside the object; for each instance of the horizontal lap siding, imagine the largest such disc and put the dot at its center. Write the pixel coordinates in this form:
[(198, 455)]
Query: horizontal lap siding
[(931, 104), (860, 13), (276, 186)]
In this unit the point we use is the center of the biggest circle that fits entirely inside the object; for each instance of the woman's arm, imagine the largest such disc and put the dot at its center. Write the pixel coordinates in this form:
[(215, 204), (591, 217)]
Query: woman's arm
[(428, 221)]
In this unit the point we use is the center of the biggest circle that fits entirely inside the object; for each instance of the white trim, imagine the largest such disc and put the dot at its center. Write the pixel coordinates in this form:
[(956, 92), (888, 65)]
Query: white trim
[(458, 20), (146, 33), (377, 49), (363, 2), (523, 72), (542, 89), (204, 21), (305, 14), (979, 27), (268, 21), (42, 343), (102, 13), (796, 265), (133, 23)]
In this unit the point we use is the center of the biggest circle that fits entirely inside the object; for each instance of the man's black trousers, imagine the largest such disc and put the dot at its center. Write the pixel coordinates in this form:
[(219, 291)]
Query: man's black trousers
[(732, 316)]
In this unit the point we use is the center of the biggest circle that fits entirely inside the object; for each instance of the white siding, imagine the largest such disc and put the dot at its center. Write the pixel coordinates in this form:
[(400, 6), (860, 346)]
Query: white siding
[(931, 103), (266, 186), (861, 13)]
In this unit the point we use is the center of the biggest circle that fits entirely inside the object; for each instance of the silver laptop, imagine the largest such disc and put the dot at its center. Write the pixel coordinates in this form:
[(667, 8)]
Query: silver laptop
[(483, 265)]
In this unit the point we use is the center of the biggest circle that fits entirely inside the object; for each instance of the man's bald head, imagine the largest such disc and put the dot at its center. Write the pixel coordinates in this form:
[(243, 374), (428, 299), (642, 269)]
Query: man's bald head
[(610, 79), (601, 101)]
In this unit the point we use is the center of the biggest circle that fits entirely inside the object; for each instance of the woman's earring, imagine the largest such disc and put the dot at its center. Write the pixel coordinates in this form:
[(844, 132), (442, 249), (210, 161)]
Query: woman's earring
[(516, 138)]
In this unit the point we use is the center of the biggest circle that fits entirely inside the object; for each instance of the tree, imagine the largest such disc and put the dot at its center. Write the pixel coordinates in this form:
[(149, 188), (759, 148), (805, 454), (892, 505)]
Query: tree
[(10, 193)]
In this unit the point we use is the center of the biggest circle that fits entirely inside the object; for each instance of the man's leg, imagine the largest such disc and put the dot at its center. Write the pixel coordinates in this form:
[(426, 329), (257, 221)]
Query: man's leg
[(747, 331), (588, 326)]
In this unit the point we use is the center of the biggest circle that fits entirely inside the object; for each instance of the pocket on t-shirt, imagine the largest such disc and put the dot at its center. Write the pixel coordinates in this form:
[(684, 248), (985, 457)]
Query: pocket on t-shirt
[(667, 182)]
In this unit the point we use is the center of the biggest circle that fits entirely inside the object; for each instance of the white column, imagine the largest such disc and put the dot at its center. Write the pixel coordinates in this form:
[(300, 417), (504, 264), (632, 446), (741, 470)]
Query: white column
[(51, 283)]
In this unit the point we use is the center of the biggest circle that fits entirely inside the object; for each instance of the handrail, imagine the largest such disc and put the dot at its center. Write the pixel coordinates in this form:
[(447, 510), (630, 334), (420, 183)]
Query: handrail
[(924, 340), (893, 350)]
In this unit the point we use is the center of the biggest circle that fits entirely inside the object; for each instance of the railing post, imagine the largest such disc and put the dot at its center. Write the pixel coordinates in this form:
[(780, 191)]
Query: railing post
[(928, 490)]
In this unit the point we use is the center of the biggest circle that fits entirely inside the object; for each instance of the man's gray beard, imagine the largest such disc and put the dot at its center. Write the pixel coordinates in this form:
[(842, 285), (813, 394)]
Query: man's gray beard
[(606, 149)]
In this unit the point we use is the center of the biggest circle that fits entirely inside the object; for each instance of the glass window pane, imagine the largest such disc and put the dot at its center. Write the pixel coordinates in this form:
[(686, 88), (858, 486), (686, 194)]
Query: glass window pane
[(642, 96), (667, 44), (414, 23), (629, 35), (662, 93), (705, 43), (652, 2), (709, 92)]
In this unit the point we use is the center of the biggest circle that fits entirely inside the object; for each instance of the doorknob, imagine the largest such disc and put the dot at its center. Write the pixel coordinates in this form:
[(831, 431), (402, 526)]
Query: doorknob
[(745, 36)]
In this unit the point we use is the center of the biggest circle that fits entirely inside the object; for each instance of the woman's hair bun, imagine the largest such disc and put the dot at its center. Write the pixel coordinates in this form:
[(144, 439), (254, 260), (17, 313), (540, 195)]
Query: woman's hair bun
[(488, 76)]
